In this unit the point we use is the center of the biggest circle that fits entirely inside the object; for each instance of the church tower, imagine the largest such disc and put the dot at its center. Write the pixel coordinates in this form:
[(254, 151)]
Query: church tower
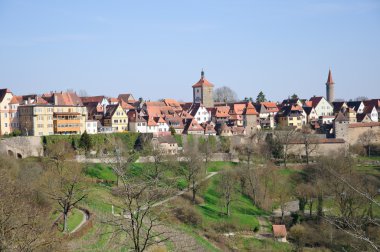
[(330, 88), (203, 92)]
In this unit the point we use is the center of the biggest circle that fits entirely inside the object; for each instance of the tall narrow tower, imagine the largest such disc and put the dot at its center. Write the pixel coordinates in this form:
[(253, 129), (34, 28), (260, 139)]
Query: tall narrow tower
[(203, 92), (330, 88)]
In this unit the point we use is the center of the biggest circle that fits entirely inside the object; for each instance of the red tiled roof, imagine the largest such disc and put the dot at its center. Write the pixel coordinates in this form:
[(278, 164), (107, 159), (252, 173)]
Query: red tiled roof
[(250, 110), (329, 78), (222, 111), (270, 106), (279, 230), (369, 124), (203, 82), (89, 99), (16, 100)]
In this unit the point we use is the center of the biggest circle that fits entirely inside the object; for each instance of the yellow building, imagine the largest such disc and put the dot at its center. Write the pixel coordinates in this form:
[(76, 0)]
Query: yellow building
[(47, 119), (5, 113), (116, 118), (290, 116)]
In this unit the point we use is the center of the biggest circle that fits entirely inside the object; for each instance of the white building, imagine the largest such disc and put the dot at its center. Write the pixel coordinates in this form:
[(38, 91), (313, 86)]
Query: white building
[(91, 127), (322, 106)]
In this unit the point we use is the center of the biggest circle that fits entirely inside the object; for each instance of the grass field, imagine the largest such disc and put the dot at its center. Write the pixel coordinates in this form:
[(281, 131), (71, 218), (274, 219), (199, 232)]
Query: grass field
[(243, 212)]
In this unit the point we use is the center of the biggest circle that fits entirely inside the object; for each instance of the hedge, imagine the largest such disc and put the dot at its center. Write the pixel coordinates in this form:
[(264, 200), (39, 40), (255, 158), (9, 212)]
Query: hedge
[(98, 140)]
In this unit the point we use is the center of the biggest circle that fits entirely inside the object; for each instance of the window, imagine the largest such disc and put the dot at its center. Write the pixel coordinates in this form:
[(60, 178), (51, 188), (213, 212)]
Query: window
[(5, 125)]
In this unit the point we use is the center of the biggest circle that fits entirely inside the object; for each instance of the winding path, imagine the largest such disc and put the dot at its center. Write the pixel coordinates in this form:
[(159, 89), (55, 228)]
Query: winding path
[(84, 219)]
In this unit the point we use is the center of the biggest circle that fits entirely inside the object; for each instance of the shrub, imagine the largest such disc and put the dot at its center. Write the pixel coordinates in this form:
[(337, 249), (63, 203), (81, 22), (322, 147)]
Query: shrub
[(186, 213), (225, 227), (182, 184)]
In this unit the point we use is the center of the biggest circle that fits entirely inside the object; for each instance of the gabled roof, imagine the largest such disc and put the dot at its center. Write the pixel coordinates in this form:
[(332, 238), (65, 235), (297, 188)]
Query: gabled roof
[(126, 98), (354, 104), (193, 125), (338, 106), (222, 111), (270, 106), (279, 231), (340, 117), (173, 103), (151, 121), (308, 110), (63, 99), (111, 109), (250, 109), (16, 100), (3, 92), (363, 117), (315, 100)]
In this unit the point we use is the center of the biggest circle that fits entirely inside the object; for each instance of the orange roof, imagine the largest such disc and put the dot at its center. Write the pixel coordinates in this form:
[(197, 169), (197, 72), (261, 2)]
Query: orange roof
[(308, 103), (279, 230), (239, 108), (194, 126), (125, 105), (151, 122), (112, 99), (16, 100), (203, 82), (222, 111), (270, 106), (250, 110)]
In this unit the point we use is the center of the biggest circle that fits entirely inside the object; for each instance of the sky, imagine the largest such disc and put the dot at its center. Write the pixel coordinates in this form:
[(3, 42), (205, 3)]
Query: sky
[(157, 49)]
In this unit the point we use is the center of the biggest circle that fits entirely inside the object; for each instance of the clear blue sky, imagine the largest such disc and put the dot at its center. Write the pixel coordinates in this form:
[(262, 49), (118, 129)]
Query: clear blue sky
[(156, 49)]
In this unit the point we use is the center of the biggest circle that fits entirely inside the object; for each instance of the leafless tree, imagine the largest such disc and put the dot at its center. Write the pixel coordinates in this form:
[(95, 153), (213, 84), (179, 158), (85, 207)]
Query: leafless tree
[(227, 188), (366, 139), (119, 158), (286, 135), (23, 223), (225, 94), (309, 141), (195, 170), (139, 220), (354, 197), (66, 188)]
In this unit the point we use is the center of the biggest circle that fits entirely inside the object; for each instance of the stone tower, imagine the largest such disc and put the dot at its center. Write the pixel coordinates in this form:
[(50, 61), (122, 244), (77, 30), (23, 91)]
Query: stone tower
[(330, 88), (203, 92)]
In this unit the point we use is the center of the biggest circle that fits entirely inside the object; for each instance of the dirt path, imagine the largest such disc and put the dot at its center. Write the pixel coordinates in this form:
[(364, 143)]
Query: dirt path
[(211, 174)]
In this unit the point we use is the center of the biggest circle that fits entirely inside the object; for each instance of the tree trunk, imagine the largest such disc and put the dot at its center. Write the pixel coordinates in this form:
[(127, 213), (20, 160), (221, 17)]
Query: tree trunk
[(65, 222), (311, 207), (194, 191)]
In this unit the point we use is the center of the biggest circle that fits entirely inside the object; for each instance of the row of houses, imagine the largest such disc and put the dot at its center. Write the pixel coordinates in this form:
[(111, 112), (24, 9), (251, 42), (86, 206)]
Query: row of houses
[(67, 113)]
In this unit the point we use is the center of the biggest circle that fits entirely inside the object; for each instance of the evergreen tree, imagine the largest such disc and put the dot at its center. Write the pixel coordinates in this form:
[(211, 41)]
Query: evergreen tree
[(294, 96), (172, 130), (261, 97), (85, 141)]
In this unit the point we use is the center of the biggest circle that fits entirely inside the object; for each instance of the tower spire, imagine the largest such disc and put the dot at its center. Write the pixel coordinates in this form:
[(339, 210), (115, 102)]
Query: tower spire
[(329, 78), (202, 74)]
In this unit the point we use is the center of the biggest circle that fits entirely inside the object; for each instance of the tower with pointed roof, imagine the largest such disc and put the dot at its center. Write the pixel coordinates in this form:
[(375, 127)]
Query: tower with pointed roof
[(203, 92), (330, 88)]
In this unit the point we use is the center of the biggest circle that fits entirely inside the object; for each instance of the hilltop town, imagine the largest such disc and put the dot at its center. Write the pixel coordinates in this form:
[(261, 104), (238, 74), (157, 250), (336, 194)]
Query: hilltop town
[(335, 122)]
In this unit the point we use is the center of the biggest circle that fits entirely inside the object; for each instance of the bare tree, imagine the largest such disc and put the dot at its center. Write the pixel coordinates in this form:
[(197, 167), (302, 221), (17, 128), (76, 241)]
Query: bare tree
[(207, 146), (353, 195), (66, 188), (366, 139), (23, 223), (286, 136), (225, 94), (139, 221), (195, 170), (119, 158), (310, 142), (227, 188)]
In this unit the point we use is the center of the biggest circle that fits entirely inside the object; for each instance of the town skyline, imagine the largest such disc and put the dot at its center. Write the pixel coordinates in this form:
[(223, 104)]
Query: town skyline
[(131, 47)]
